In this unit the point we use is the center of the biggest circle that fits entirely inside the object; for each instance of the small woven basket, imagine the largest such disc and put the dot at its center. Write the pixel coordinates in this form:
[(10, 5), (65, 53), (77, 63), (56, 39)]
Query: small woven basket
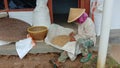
[(38, 32)]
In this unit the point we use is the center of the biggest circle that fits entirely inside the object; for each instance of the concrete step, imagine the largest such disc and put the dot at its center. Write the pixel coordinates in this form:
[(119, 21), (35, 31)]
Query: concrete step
[(40, 47)]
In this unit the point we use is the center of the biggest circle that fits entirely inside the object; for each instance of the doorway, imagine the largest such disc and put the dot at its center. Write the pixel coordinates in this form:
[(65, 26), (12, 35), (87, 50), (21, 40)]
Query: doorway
[(61, 9)]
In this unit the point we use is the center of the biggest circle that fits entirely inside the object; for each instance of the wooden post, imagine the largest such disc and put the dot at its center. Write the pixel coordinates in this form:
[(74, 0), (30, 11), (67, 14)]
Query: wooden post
[(50, 10), (6, 5), (84, 4)]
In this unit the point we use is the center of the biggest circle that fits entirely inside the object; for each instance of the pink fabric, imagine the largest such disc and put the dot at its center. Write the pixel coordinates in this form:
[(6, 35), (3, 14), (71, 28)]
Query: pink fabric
[(82, 18)]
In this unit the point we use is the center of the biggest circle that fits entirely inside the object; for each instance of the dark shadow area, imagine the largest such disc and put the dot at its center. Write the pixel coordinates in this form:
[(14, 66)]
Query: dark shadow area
[(21, 4), (1, 4), (61, 9)]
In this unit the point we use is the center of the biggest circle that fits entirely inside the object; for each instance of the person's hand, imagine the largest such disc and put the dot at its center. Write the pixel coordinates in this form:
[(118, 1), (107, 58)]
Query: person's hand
[(72, 36), (72, 39)]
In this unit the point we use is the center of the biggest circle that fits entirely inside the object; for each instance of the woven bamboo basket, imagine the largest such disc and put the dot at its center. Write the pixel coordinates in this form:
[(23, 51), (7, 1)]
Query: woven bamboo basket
[(38, 32)]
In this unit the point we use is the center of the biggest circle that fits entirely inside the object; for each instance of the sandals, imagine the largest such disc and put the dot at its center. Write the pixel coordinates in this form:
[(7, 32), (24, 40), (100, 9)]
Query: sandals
[(55, 63), (86, 59)]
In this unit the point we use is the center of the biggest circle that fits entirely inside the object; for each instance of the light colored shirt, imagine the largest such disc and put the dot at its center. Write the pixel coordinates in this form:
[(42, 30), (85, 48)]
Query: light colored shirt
[(86, 30)]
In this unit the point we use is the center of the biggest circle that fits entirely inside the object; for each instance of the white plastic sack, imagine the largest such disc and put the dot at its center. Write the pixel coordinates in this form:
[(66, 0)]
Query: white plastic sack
[(23, 47), (41, 15), (96, 11), (98, 23), (56, 30)]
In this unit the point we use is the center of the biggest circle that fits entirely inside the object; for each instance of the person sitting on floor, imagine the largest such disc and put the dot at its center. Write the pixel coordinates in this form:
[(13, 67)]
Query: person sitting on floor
[(85, 37)]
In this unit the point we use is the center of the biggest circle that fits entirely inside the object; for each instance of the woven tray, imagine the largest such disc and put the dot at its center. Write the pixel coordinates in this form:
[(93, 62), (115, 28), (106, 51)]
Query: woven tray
[(12, 29)]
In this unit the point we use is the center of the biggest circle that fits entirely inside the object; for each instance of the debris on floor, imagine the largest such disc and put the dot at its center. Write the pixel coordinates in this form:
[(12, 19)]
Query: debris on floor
[(41, 60)]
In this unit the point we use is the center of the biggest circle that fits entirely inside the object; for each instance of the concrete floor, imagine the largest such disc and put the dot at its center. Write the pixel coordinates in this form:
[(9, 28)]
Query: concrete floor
[(41, 47)]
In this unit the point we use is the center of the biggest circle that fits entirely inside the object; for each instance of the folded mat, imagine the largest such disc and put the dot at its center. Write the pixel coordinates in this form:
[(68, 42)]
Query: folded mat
[(12, 29)]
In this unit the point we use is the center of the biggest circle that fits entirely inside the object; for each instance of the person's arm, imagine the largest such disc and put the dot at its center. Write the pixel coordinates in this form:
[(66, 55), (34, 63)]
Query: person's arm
[(80, 32)]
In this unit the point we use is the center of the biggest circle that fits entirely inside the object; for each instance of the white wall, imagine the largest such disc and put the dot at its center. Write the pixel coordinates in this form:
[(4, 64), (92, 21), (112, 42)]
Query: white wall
[(27, 15), (22, 15), (116, 15)]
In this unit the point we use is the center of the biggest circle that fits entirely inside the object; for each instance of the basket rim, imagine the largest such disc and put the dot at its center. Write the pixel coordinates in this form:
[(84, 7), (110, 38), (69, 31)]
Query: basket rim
[(28, 29)]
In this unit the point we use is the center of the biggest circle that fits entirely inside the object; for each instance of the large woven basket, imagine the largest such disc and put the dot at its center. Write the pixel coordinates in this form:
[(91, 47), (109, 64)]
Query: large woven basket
[(38, 32), (13, 30)]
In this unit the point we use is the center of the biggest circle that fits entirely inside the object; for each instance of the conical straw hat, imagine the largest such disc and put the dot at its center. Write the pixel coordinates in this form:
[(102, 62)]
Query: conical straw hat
[(74, 14)]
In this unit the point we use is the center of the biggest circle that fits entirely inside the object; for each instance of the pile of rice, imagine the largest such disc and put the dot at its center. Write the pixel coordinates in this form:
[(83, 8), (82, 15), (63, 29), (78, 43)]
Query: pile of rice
[(60, 40)]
